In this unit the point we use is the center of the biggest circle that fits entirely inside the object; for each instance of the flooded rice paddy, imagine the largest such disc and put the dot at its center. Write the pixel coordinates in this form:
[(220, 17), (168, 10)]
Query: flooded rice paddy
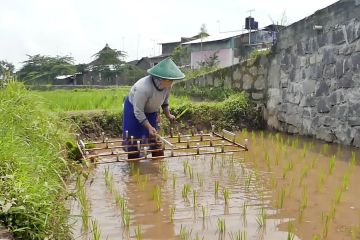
[(284, 187)]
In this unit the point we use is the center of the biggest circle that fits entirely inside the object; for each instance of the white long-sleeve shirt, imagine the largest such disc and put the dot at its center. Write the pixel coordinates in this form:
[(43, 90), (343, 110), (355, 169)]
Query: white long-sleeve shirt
[(146, 97)]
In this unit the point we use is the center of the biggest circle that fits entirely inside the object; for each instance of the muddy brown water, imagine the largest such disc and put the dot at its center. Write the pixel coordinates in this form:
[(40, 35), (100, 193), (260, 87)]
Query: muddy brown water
[(284, 187)]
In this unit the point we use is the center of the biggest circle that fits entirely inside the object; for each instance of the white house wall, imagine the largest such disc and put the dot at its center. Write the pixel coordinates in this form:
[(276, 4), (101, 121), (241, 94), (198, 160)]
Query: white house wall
[(225, 56)]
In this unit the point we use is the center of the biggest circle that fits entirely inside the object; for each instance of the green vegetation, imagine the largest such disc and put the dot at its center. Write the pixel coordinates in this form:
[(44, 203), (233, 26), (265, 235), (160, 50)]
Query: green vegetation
[(32, 166), (204, 93)]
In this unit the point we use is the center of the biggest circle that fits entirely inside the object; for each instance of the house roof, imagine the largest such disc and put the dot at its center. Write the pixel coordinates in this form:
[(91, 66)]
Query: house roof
[(213, 38)]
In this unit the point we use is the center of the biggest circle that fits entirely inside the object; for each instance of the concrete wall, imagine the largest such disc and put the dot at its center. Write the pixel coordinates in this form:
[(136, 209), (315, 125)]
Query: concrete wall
[(225, 57), (314, 76), (311, 82), (249, 76)]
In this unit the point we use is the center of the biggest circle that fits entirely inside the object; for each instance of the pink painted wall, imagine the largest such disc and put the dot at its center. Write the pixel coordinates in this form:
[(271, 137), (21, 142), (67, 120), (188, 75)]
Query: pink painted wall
[(225, 57)]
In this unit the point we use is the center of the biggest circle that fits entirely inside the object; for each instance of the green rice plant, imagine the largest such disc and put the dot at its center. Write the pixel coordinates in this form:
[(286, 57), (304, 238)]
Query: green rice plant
[(289, 166), (144, 181), (332, 212), (186, 190), (190, 171), (216, 188), (332, 164), (164, 171), (172, 213), (203, 211), (304, 151), (200, 179), (325, 148), (304, 173), (345, 182), (174, 181), (291, 234), (277, 158), (273, 182), (244, 207), (138, 234), (240, 235), (221, 225), (120, 201), (248, 181), (281, 198), (321, 181), (212, 164), (353, 161), (185, 166), (291, 188), (226, 195), (313, 162), (261, 219), (96, 233), (244, 133), (325, 228), (316, 237), (125, 216), (338, 195), (194, 198), (85, 219), (267, 160), (185, 234)]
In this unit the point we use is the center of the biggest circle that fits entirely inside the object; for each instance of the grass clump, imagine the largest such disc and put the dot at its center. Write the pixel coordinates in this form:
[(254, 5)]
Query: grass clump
[(32, 166)]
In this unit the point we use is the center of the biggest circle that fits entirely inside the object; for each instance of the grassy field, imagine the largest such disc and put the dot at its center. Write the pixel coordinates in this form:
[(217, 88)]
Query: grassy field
[(32, 166), (91, 99)]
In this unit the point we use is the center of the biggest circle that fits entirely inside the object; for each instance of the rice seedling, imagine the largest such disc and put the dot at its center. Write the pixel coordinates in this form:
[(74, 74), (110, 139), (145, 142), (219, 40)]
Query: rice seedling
[(291, 188), (186, 190), (313, 162), (332, 212), (240, 235), (353, 161), (304, 151), (96, 233), (132, 168), (244, 133), (172, 213), (174, 181), (194, 198), (321, 181), (203, 211), (164, 171), (248, 181), (221, 225), (277, 158), (289, 166), (138, 234), (273, 182), (338, 195), (190, 171), (281, 198), (120, 201), (125, 217), (325, 229), (200, 179), (291, 234), (345, 182), (85, 219), (304, 173), (244, 209), (226, 195), (185, 166), (325, 148), (332, 164), (261, 219), (268, 162), (216, 188), (212, 164), (316, 237), (185, 234)]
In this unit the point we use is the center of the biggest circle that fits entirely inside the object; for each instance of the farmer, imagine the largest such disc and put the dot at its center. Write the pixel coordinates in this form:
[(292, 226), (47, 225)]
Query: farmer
[(142, 105)]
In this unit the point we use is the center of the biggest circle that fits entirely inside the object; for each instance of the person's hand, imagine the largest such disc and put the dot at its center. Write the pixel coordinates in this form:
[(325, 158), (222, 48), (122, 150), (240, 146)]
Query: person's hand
[(171, 118), (152, 131)]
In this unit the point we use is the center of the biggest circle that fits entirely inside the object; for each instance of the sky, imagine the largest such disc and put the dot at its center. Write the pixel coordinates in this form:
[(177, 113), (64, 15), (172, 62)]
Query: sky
[(80, 28)]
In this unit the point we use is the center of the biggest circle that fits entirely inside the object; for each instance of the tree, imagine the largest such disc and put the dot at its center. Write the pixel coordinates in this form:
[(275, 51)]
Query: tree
[(108, 56), (203, 33), (211, 62), (6, 68), (43, 69), (180, 55)]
